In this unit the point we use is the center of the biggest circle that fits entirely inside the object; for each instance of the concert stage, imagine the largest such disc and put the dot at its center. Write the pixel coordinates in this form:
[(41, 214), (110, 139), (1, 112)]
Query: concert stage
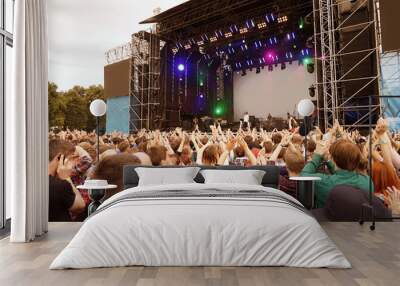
[(220, 59)]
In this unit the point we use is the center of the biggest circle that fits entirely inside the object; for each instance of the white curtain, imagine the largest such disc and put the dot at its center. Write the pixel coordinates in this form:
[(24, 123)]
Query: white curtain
[(27, 123)]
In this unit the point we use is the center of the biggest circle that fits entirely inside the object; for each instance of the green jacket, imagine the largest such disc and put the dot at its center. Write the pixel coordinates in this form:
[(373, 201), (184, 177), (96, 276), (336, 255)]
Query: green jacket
[(328, 182)]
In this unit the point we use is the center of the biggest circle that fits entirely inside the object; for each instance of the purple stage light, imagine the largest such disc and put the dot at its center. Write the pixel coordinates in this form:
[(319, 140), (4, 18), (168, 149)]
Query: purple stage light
[(181, 67)]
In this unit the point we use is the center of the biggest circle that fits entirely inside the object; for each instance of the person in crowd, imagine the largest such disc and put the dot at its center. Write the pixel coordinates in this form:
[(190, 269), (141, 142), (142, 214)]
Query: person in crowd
[(65, 200), (346, 157), (294, 162), (111, 169), (337, 156)]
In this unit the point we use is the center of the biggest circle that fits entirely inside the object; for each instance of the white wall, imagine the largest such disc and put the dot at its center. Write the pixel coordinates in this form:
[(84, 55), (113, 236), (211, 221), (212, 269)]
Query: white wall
[(275, 92)]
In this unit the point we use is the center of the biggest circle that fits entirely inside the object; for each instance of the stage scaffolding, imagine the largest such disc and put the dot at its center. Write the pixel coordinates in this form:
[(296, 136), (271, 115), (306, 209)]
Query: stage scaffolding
[(344, 90), (145, 80)]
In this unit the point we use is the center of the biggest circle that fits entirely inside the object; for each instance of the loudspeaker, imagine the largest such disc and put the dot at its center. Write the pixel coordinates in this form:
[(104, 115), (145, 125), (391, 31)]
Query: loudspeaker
[(390, 23)]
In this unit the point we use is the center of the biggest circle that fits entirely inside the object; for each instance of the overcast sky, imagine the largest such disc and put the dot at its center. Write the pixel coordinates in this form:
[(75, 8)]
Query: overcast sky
[(81, 31)]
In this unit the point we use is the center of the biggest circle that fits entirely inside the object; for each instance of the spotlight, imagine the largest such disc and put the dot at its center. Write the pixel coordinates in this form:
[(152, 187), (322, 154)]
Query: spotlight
[(228, 35), (310, 68), (234, 28), (283, 66), (311, 91), (262, 25), (243, 30), (282, 19), (301, 23), (204, 38), (250, 24), (181, 67)]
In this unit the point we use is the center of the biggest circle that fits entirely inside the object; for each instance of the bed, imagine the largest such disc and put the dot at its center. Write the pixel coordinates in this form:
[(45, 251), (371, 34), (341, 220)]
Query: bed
[(198, 224)]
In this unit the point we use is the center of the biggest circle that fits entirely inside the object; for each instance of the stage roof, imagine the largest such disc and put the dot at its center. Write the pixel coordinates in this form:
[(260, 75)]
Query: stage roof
[(198, 16)]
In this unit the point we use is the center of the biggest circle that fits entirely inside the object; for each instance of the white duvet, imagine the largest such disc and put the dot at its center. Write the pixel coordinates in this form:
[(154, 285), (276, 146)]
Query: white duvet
[(200, 232)]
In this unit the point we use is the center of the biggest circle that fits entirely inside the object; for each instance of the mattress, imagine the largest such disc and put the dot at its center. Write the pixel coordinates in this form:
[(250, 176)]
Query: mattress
[(201, 225)]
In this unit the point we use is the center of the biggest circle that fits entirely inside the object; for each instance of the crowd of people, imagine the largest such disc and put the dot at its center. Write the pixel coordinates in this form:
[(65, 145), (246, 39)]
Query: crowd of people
[(338, 157)]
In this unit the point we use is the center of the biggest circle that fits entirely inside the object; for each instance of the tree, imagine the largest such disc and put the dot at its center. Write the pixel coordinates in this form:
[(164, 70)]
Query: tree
[(71, 108), (76, 114), (56, 106)]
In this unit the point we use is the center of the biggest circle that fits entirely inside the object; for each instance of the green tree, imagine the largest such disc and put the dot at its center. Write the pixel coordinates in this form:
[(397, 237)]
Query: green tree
[(56, 106), (76, 114), (71, 108)]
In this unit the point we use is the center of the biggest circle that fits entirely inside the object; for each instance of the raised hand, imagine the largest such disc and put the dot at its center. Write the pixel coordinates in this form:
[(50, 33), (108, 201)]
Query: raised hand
[(64, 169), (394, 200)]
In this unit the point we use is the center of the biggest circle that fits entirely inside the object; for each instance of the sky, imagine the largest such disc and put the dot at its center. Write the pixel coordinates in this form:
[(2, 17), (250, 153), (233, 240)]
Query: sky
[(81, 31)]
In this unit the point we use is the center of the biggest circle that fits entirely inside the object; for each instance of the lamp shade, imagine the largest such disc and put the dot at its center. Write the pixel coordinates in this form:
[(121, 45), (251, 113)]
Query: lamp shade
[(98, 107), (305, 107)]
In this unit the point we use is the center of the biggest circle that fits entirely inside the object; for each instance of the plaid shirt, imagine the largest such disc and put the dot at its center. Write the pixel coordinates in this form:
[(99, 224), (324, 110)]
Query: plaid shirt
[(79, 176)]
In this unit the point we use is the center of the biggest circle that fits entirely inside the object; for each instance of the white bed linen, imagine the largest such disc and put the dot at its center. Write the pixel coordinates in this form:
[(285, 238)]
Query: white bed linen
[(200, 232)]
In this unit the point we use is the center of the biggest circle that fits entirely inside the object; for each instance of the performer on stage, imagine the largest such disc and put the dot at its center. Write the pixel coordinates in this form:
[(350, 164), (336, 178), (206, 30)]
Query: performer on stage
[(246, 120)]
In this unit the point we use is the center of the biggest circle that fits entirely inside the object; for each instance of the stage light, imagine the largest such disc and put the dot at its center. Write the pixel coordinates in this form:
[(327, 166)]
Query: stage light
[(301, 23), (270, 18), (228, 35), (213, 39), (234, 28), (262, 25), (201, 83), (218, 110), (243, 30), (201, 95), (204, 38), (250, 24), (307, 61), (219, 33), (181, 67), (282, 19)]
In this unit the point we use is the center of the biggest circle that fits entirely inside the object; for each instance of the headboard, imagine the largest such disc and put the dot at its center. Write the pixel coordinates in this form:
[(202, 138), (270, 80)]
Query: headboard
[(270, 179)]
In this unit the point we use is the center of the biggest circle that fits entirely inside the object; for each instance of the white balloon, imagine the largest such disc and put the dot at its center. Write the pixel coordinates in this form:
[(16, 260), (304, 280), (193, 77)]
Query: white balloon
[(98, 107), (305, 107)]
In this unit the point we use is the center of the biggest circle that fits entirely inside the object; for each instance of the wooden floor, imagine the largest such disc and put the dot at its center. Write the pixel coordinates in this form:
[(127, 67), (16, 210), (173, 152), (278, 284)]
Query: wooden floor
[(375, 257)]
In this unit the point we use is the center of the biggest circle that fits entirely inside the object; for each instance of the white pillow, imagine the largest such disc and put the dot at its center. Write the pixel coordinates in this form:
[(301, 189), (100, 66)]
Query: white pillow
[(248, 177), (166, 176)]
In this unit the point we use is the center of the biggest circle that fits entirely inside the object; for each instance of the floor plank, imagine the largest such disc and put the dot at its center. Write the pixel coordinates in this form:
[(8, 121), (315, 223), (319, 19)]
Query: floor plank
[(375, 257)]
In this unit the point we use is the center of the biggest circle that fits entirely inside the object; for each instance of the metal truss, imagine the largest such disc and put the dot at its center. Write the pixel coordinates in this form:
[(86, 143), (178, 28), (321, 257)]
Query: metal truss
[(144, 88), (119, 53), (334, 18)]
